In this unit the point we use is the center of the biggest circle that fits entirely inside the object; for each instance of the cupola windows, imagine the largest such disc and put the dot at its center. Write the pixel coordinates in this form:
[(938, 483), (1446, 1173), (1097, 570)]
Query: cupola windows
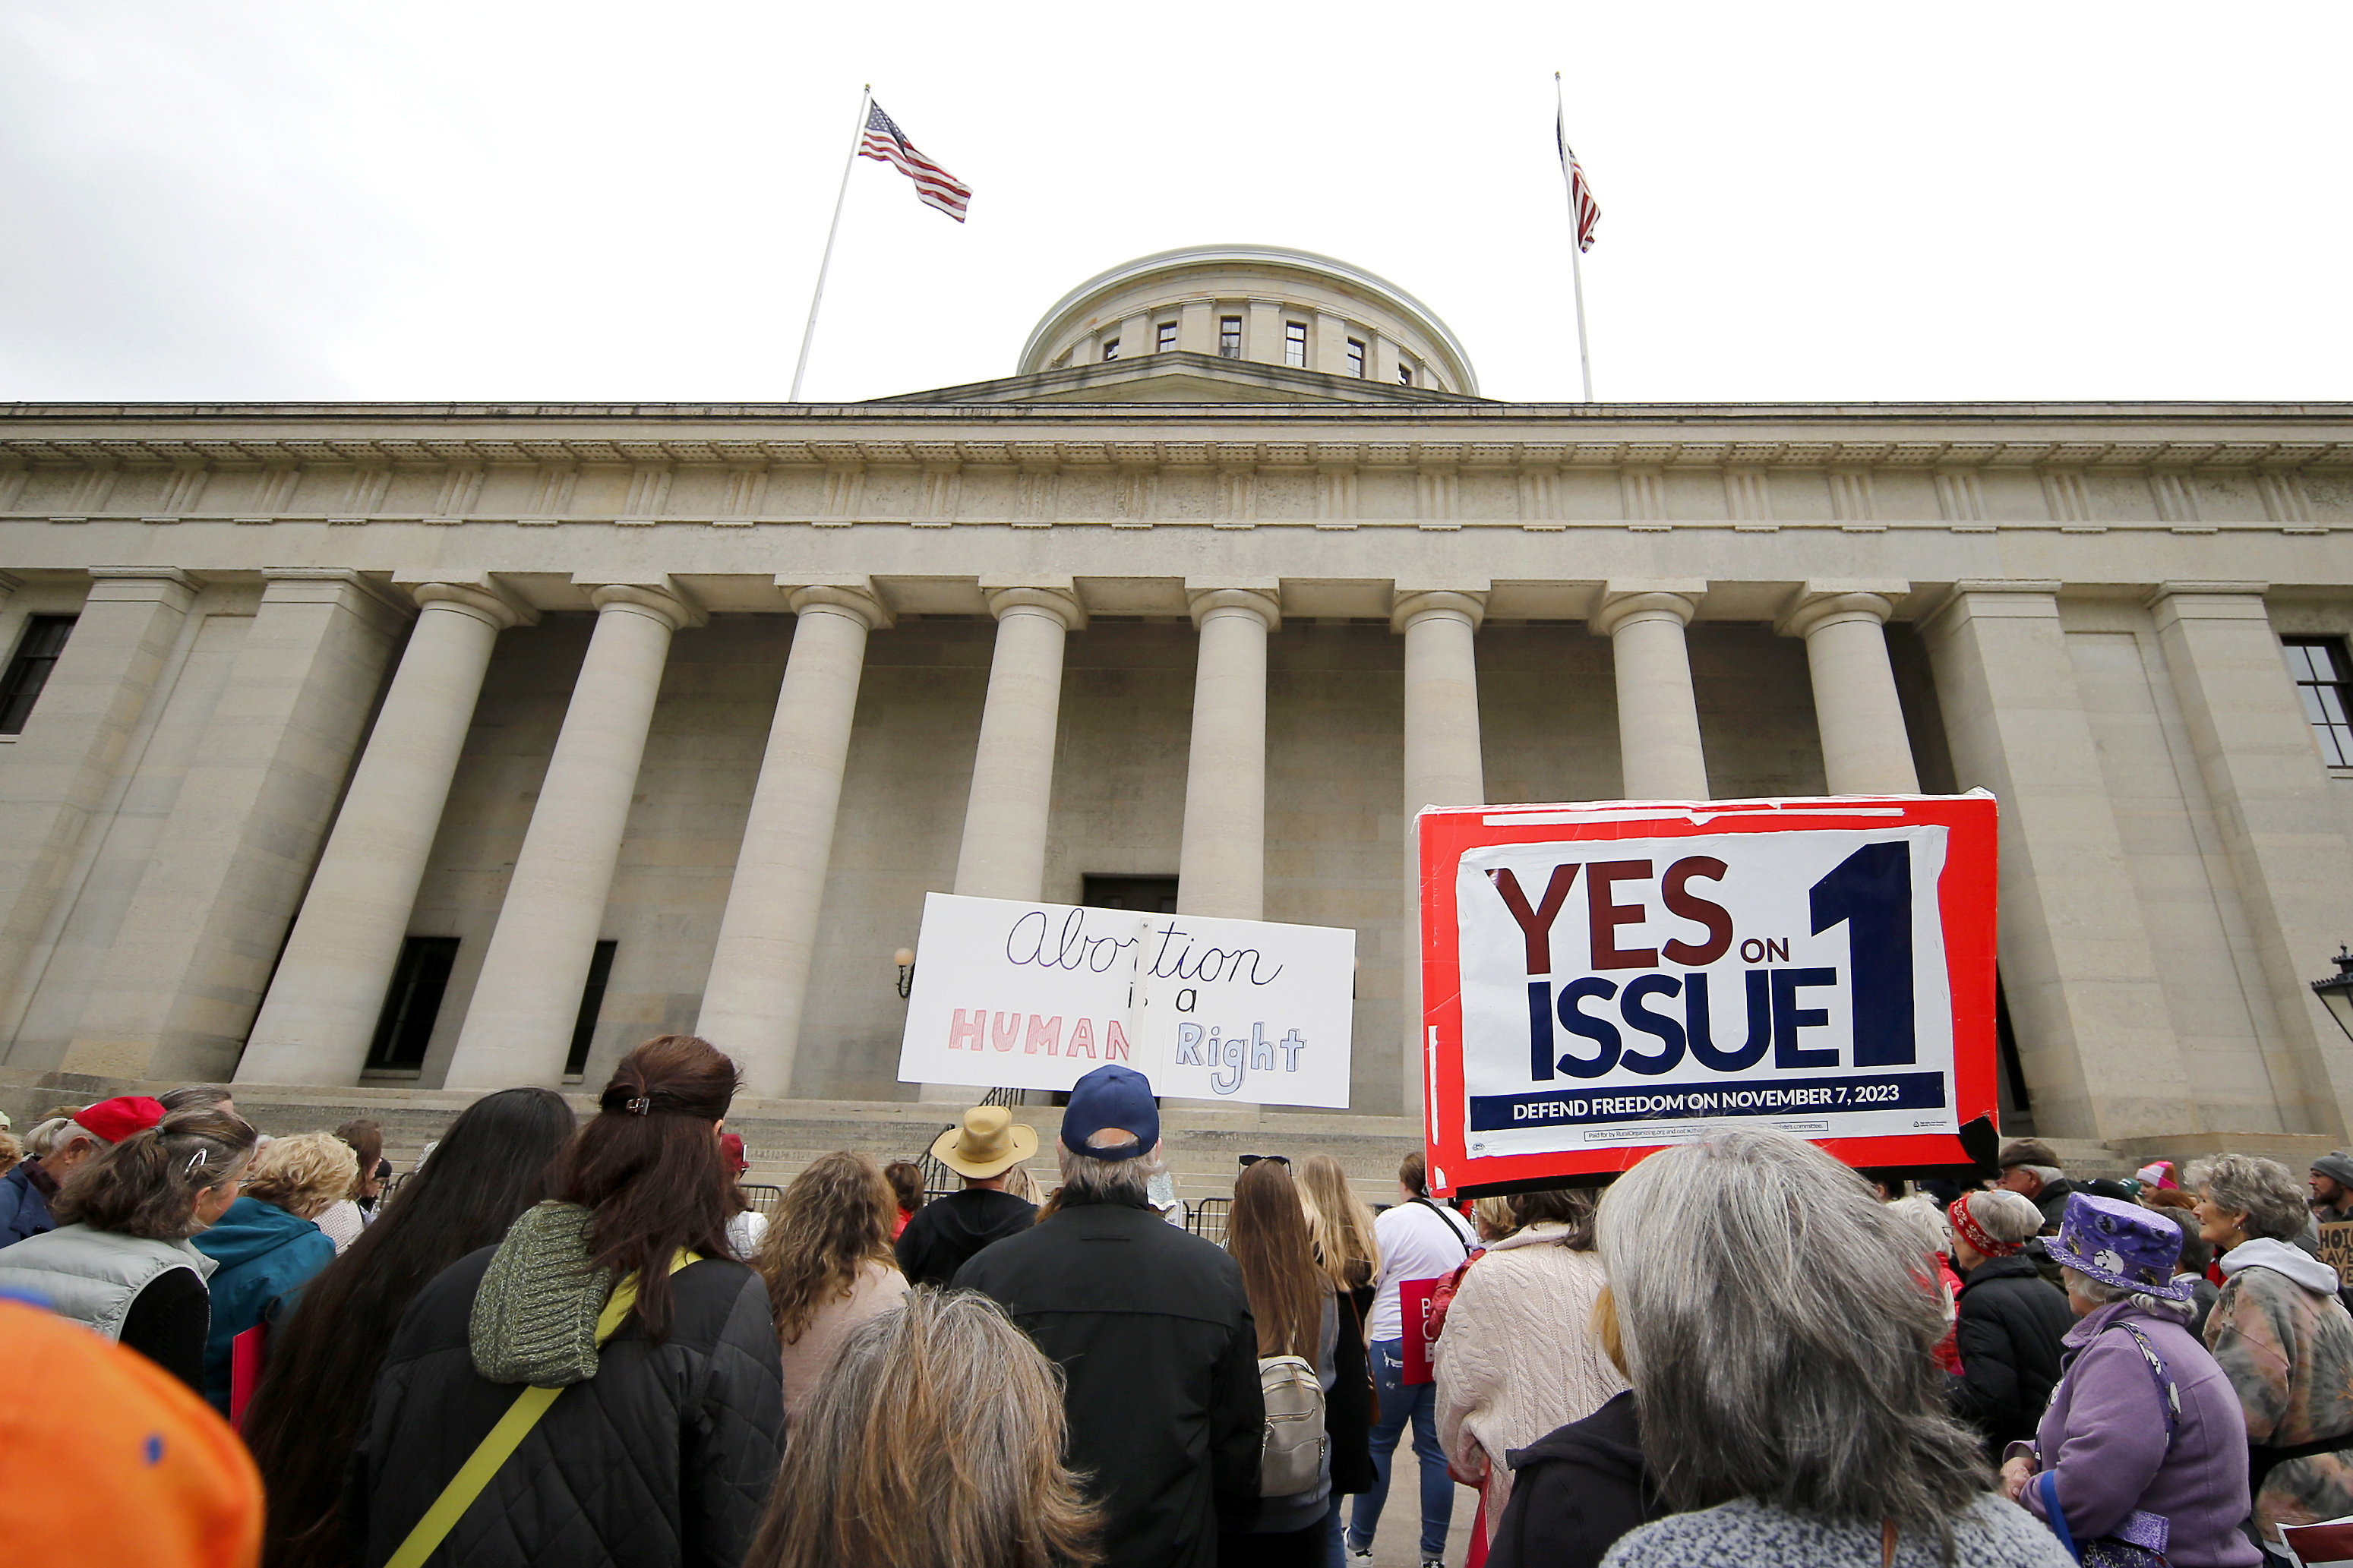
[(1295, 344)]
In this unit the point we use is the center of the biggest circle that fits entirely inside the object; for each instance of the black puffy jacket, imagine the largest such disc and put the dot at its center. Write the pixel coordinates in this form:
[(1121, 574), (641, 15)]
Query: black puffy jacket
[(1575, 1491), (2012, 1321), (665, 1457), (1152, 1328)]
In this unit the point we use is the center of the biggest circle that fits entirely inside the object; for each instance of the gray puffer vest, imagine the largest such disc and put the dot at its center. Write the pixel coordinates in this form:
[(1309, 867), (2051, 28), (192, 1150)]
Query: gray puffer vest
[(91, 1277)]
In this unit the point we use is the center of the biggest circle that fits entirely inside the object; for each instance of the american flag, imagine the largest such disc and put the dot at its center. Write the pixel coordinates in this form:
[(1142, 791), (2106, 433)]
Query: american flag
[(934, 187), (1580, 195)]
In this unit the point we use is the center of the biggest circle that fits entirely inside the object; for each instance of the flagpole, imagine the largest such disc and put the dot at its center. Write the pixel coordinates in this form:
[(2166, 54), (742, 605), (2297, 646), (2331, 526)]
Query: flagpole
[(808, 333), (1575, 251)]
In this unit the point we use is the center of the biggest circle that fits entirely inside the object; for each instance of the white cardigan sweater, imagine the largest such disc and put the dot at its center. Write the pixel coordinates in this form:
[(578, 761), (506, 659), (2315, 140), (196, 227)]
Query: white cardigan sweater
[(1518, 1358)]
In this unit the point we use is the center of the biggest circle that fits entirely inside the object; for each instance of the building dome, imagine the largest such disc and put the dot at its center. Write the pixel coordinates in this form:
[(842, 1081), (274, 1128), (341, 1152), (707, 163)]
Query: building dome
[(1253, 302)]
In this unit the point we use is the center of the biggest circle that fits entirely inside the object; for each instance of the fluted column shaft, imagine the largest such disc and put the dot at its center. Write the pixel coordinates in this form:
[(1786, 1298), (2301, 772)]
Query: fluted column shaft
[(1222, 867), (527, 997), (1004, 850), (320, 1013), (1865, 748), (1658, 717), (760, 969), (1443, 765)]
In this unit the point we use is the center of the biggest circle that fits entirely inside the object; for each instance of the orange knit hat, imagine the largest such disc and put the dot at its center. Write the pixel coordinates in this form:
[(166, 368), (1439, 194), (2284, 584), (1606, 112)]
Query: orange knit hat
[(96, 1439)]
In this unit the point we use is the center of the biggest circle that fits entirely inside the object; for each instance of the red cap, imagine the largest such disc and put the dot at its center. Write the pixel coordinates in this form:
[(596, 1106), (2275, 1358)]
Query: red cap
[(117, 1118), (733, 1147)]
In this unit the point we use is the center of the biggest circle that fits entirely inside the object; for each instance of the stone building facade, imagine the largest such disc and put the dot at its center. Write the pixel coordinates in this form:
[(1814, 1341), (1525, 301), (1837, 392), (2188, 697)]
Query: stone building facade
[(461, 745)]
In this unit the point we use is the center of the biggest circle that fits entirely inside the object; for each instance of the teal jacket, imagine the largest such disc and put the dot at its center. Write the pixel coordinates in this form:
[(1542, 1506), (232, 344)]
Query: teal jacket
[(266, 1257)]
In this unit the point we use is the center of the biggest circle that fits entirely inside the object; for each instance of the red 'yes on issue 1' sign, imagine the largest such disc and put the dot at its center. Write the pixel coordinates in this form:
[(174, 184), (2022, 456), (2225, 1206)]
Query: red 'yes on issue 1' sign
[(1601, 980)]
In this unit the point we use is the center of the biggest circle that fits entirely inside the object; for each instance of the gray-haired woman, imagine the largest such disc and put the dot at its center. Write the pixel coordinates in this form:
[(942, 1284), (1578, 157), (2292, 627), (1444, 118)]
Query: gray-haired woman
[(1776, 1331), (2283, 1338)]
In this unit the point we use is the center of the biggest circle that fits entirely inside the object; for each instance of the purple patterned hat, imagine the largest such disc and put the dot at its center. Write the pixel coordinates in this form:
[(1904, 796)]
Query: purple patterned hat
[(2120, 1244)]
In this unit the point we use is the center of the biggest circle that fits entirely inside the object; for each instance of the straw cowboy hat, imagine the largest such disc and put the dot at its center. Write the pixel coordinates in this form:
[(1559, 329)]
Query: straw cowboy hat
[(987, 1144)]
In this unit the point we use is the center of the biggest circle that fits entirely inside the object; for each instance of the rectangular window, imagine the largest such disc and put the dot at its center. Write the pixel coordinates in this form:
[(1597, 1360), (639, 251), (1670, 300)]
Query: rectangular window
[(2322, 679), (1150, 895), (1355, 358), (413, 1003), (1167, 338), (36, 655), (1405, 374), (1294, 343), (1230, 337), (1110, 349), (592, 1002)]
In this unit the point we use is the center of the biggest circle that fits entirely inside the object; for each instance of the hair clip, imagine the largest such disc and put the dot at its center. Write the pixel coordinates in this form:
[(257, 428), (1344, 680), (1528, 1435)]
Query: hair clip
[(642, 1105), (195, 1160)]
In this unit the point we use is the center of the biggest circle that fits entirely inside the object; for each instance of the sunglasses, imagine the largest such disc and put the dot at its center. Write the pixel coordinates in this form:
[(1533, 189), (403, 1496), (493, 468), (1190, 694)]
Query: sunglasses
[(1250, 1159)]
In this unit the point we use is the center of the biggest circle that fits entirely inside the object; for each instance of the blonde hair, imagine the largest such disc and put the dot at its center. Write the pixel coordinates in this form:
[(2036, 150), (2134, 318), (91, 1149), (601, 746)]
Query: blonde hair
[(1494, 1218), (11, 1151), (1339, 1222), (933, 1441), (1605, 1332), (834, 1220), (303, 1174)]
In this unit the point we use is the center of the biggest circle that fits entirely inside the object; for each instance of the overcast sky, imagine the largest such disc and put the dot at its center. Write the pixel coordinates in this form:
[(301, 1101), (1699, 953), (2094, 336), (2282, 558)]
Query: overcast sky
[(202, 199)]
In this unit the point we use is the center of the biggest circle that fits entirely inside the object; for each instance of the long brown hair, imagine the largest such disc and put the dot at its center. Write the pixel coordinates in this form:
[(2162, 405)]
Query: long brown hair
[(647, 1165), (147, 1185), (1267, 1233), (933, 1440), (834, 1220), (1340, 1224)]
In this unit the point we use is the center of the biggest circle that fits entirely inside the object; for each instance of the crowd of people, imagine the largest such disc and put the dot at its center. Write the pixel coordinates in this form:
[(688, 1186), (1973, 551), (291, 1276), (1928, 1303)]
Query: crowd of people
[(576, 1342)]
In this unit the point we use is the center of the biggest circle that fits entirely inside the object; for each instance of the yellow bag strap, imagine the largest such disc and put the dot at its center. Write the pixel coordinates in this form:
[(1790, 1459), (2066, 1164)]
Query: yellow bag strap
[(507, 1436)]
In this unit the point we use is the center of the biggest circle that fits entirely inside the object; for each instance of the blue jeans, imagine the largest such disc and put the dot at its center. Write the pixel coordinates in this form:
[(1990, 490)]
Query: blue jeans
[(1401, 1402)]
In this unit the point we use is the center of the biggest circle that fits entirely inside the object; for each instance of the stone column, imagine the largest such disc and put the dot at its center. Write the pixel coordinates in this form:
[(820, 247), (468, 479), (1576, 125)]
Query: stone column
[(320, 1016), (58, 770), (519, 1023), (2094, 1033), (760, 968), (1222, 869), (1004, 850), (2273, 807), (1443, 765), (177, 992), (1658, 718), (1865, 750)]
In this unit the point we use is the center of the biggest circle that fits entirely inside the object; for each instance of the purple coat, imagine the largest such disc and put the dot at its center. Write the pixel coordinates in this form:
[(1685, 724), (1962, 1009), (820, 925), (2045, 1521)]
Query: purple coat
[(2104, 1435)]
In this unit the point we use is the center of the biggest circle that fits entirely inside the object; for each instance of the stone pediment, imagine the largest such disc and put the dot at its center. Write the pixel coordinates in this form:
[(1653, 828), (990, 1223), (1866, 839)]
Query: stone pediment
[(1180, 377)]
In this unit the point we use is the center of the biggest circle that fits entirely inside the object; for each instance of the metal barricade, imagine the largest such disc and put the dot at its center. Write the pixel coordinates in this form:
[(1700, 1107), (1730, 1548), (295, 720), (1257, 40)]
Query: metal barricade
[(1207, 1218)]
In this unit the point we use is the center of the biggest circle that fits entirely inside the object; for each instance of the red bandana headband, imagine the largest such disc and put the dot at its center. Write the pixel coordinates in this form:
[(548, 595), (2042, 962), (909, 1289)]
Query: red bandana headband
[(1974, 1234)]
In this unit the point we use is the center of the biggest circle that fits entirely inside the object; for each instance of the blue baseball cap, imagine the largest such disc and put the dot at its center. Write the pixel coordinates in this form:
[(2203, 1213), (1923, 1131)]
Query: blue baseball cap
[(1111, 1095)]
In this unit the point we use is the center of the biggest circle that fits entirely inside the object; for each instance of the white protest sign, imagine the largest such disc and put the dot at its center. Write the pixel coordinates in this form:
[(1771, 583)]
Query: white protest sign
[(1013, 994)]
